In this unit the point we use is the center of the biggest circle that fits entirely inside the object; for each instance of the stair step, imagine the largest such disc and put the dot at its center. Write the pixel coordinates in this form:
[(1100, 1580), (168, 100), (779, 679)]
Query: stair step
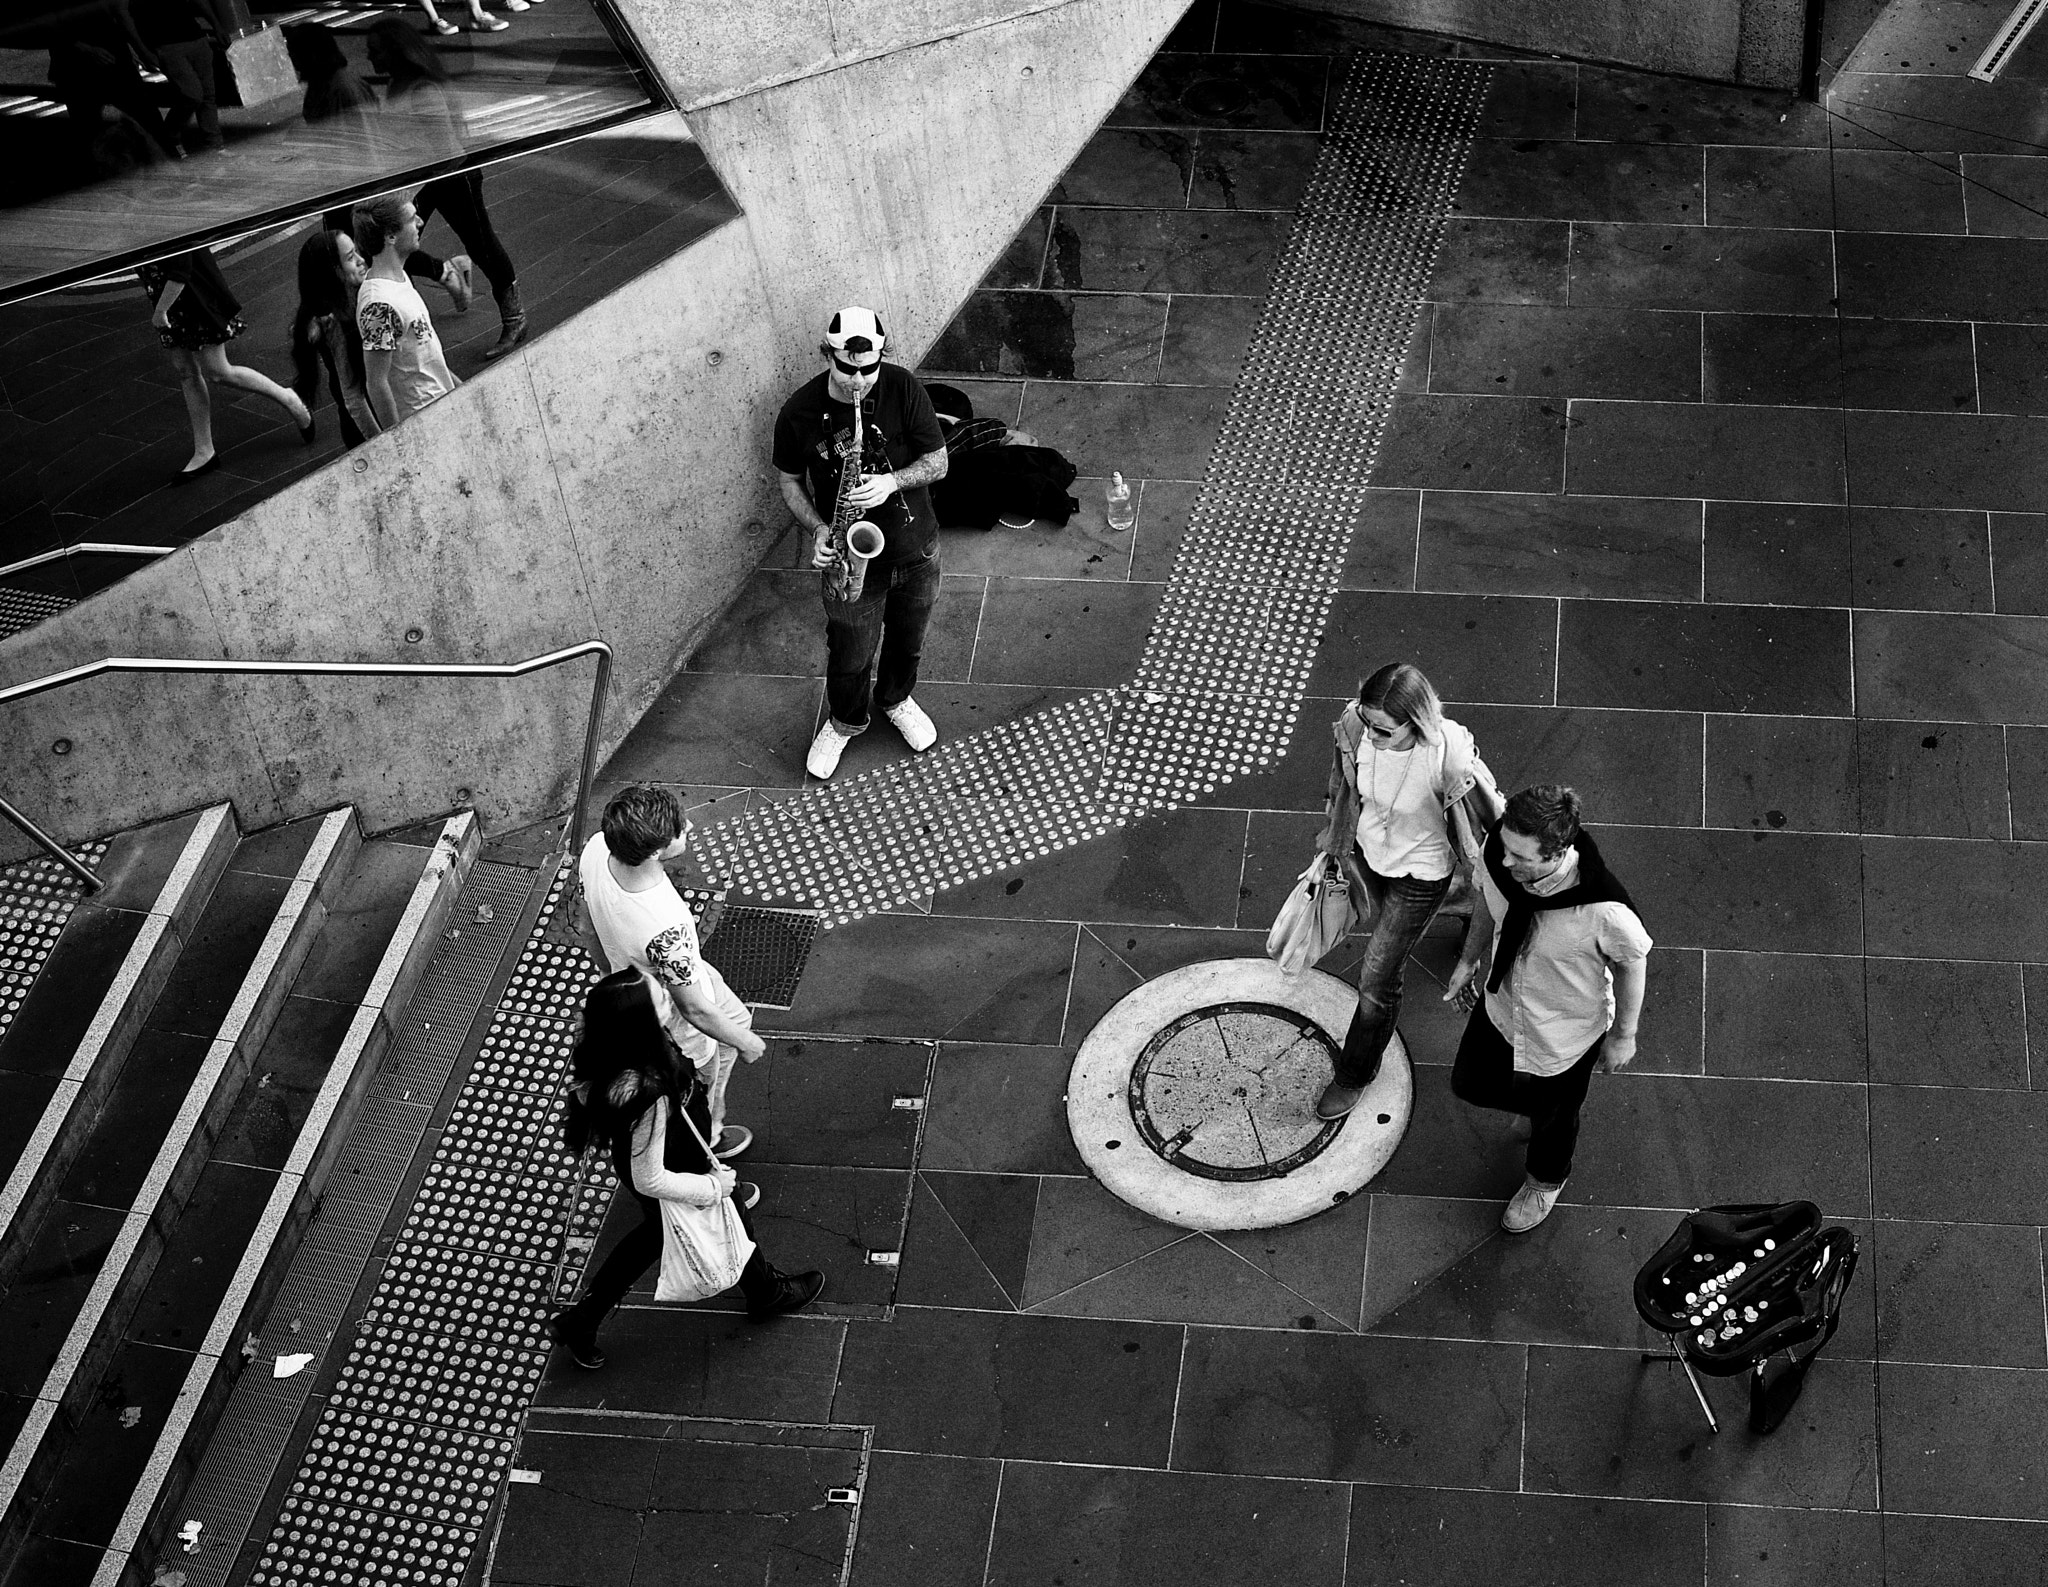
[(254, 1197), (151, 1139), (78, 1024)]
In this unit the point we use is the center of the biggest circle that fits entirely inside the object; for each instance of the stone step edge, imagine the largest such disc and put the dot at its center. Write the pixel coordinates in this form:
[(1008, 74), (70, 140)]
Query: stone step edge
[(320, 1140), (132, 1257), (102, 1051)]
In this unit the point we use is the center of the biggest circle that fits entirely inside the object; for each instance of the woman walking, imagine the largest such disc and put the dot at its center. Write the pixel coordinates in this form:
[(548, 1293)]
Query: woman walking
[(196, 316), (1409, 804), (324, 332), (636, 1097)]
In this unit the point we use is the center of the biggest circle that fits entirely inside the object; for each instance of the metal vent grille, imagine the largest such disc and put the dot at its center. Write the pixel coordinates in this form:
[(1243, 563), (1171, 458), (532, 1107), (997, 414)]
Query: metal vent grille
[(762, 952)]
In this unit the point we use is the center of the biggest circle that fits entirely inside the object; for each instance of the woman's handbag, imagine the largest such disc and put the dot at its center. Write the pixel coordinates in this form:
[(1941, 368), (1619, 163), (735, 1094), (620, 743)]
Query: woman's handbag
[(1316, 917), (702, 1248)]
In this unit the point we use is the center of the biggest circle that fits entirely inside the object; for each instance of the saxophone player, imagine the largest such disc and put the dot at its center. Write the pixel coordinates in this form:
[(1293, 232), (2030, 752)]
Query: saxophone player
[(902, 453)]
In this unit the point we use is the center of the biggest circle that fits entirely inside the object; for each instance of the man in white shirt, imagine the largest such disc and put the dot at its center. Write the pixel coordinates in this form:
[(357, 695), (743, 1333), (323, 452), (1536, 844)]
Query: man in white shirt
[(403, 365), (629, 913), (1564, 988)]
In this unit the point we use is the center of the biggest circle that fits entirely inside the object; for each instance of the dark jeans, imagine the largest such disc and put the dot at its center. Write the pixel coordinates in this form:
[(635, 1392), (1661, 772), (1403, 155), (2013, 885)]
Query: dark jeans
[(1401, 908), (1485, 1076), (461, 199), (188, 68), (639, 1251), (894, 607)]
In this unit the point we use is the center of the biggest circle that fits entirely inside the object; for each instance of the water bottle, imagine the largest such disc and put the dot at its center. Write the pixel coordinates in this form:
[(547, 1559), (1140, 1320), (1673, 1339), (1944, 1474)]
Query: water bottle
[(1121, 513)]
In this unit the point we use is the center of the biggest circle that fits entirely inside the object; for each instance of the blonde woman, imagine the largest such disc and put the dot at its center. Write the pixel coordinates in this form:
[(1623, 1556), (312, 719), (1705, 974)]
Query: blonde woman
[(1409, 804)]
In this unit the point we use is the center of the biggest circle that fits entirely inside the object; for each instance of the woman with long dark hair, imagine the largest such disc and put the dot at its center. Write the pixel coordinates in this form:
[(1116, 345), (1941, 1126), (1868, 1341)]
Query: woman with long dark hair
[(1408, 806), (634, 1096), (418, 92), (324, 332)]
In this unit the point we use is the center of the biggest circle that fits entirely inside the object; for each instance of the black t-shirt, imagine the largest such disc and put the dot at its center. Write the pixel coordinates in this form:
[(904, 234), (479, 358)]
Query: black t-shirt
[(898, 427)]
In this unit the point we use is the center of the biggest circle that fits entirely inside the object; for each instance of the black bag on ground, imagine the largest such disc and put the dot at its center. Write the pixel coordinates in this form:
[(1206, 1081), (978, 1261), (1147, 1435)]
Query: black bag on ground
[(986, 480)]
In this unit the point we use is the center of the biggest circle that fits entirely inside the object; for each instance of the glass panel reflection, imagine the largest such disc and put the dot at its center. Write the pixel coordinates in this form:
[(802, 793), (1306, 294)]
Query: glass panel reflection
[(133, 128), (99, 423)]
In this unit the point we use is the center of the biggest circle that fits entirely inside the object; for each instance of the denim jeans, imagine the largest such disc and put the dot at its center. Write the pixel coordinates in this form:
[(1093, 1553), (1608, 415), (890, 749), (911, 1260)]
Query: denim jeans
[(1401, 908), (894, 606), (1485, 1076)]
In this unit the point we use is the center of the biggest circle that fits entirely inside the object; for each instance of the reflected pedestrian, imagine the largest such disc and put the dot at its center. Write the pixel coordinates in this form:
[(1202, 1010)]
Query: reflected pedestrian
[(183, 34), (1566, 956), (636, 1097), (1408, 805), (196, 316), (419, 94), (324, 332), (403, 365)]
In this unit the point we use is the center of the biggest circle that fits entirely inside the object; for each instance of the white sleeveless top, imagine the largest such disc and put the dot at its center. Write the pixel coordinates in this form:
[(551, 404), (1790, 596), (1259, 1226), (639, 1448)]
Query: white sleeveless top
[(1401, 827)]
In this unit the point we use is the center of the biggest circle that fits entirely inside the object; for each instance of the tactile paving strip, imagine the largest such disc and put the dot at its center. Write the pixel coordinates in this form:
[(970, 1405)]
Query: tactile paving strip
[(1228, 658), (417, 1433), (36, 899)]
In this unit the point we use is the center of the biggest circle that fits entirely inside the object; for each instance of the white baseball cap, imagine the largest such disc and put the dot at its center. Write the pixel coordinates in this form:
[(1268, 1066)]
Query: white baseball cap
[(856, 332)]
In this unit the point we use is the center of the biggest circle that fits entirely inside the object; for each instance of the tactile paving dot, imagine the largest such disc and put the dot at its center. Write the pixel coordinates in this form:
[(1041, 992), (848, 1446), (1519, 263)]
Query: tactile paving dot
[(453, 1343), (36, 899)]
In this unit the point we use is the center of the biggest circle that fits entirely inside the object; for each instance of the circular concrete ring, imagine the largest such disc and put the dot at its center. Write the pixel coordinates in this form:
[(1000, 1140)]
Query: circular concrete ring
[(1107, 1132)]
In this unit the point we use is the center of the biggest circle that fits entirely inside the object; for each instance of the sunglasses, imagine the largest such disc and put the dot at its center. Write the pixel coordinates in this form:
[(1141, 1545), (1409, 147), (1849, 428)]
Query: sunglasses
[(860, 371), (1382, 732)]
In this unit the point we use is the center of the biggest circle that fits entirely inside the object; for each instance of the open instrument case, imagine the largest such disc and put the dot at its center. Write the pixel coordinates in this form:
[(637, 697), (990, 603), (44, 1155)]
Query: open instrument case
[(1738, 1287)]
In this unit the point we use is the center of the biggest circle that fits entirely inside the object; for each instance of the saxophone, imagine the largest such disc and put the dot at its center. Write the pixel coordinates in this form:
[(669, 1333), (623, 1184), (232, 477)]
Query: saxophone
[(855, 541)]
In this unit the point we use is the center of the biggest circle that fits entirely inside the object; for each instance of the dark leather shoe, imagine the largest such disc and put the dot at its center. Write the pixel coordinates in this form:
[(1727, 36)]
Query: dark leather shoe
[(582, 1347), (793, 1292), (1336, 1100)]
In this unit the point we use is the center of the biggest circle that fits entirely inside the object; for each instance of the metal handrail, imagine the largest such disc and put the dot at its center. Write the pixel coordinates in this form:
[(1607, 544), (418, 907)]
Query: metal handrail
[(100, 548), (342, 669)]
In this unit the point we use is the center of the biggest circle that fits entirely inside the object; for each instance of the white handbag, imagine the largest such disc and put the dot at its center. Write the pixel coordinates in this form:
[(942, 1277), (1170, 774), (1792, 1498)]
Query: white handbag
[(1316, 917), (703, 1249)]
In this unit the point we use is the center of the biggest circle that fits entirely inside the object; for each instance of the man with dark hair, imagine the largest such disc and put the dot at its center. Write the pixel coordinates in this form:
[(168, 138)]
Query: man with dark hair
[(403, 366), (629, 913), (902, 452), (1564, 987)]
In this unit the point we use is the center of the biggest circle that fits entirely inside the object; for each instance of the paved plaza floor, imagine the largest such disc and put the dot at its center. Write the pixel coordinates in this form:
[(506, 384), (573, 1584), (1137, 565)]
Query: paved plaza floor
[(1714, 488)]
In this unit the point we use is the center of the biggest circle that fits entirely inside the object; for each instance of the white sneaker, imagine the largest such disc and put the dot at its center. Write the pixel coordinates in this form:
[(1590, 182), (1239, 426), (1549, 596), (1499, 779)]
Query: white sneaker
[(826, 749), (909, 719), (1530, 1206)]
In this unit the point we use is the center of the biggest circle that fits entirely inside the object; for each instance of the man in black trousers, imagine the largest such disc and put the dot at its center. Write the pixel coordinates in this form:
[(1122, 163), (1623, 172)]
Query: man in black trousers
[(1566, 955)]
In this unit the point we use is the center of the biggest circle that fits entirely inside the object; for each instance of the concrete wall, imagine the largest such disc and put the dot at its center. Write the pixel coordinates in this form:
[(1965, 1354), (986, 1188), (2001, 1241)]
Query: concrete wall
[(611, 480), (1734, 41)]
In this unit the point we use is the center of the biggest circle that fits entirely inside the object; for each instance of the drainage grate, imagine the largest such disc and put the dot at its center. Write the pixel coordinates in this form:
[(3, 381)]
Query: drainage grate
[(762, 952), (1228, 658), (22, 609)]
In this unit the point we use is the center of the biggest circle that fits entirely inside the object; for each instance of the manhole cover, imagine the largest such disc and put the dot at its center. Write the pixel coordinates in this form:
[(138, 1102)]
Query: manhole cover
[(1229, 1092), (1194, 1098)]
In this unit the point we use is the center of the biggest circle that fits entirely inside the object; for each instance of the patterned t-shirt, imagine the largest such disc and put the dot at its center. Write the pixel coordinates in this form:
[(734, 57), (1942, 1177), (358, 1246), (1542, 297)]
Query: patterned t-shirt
[(393, 319)]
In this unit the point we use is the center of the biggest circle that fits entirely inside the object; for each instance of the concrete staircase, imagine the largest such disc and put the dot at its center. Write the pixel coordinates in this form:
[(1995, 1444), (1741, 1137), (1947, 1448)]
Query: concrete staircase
[(178, 1079)]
